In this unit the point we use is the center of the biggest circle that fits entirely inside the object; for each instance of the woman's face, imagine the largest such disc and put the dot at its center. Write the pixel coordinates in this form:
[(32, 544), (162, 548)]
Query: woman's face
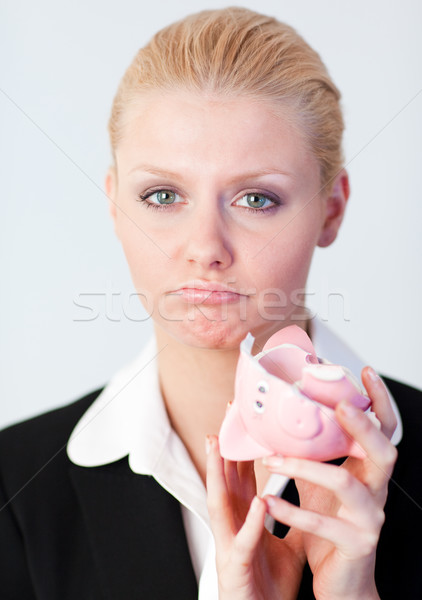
[(218, 206)]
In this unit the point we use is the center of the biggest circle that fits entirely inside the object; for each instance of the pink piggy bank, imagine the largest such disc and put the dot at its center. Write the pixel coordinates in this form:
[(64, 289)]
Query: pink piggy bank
[(284, 402)]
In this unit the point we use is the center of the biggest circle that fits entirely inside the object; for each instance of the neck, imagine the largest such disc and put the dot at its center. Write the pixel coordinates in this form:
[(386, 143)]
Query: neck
[(196, 385)]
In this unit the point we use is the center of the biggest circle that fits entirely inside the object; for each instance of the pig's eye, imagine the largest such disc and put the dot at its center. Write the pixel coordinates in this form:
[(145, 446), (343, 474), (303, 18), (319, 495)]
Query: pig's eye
[(259, 407), (262, 387)]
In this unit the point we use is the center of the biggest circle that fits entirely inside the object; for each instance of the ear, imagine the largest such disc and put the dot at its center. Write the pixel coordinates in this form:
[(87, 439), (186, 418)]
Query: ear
[(334, 209), (111, 191)]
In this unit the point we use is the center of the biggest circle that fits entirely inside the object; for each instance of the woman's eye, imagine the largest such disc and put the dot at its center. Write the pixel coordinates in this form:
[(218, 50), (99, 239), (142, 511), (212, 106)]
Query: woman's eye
[(164, 197), (256, 201), (159, 198)]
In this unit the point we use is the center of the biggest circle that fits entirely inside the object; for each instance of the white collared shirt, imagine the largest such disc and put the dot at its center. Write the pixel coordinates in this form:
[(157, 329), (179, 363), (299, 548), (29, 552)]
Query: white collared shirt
[(129, 418)]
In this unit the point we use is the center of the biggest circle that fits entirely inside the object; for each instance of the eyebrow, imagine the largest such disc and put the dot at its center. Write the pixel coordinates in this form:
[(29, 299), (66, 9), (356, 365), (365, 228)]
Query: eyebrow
[(241, 176), (153, 170)]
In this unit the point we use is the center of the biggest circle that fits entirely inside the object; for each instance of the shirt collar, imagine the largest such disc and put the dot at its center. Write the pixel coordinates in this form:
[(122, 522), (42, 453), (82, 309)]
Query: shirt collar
[(129, 418)]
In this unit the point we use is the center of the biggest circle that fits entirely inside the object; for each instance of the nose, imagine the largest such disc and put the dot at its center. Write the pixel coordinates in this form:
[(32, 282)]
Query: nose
[(208, 243)]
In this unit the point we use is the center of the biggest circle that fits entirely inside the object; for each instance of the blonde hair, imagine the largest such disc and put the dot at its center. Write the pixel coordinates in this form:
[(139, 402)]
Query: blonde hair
[(236, 51)]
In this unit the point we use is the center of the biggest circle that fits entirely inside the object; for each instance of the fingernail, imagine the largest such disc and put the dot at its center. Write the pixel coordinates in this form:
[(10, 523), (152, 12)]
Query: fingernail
[(273, 461), (270, 500), (208, 444), (348, 409), (373, 375)]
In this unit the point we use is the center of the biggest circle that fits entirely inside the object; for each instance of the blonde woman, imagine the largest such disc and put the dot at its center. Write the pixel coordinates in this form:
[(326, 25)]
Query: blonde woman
[(226, 136)]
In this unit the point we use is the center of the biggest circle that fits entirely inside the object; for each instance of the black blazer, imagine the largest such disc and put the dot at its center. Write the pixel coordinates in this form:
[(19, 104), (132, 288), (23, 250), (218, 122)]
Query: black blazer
[(76, 533)]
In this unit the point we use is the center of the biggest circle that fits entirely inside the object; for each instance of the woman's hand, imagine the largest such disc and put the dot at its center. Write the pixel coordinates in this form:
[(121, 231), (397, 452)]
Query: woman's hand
[(251, 563), (341, 508)]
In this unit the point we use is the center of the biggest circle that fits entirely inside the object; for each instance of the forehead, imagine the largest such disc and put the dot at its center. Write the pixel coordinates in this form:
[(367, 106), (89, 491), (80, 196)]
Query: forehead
[(196, 131)]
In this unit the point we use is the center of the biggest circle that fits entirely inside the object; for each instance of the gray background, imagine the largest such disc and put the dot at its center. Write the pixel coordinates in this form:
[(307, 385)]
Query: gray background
[(60, 66)]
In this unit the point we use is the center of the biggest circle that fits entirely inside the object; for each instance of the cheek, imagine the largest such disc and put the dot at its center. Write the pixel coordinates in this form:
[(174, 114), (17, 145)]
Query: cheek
[(144, 239), (282, 255), (143, 254), (285, 265), (281, 280)]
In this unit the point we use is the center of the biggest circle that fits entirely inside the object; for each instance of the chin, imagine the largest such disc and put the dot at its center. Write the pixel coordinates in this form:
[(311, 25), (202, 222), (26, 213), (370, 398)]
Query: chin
[(218, 334), (206, 334)]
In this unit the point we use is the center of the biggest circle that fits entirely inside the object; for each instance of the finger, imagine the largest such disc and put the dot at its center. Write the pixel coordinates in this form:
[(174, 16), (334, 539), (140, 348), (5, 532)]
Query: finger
[(351, 492), (353, 542), (381, 404), (239, 505), (381, 454), (241, 484), (232, 477), (247, 479), (218, 499), (250, 533)]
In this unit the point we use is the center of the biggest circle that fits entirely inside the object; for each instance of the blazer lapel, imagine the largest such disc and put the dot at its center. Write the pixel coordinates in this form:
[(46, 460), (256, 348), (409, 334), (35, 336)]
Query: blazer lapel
[(136, 533)]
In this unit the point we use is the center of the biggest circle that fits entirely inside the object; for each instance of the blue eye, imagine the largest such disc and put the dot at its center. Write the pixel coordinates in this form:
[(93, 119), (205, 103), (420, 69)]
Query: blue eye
[(159, 198), (165, 197), (257, 202)]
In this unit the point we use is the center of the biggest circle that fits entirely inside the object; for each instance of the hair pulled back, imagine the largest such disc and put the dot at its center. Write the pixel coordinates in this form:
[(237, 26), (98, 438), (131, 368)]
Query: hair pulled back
[(236, 51)]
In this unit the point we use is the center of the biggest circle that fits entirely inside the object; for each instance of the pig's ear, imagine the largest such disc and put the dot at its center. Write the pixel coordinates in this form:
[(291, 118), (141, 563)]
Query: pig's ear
[(235, 441), (291, 335)]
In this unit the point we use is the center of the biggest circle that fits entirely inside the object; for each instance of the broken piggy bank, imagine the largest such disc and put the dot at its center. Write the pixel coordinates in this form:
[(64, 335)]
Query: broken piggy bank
[(284, 402)]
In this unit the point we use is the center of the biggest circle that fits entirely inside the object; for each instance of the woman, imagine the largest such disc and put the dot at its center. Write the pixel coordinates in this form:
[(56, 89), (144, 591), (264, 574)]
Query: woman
[(226, 137)]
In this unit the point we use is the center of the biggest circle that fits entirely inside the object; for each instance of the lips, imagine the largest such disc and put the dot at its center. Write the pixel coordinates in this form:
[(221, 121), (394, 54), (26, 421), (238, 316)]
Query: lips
[(207, 292)]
